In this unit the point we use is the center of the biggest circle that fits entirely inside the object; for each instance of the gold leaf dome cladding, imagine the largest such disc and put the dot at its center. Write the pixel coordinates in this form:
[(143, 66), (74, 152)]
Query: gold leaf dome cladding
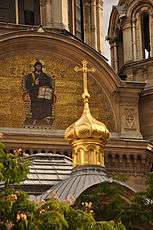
[(87, 127), (87, 135)]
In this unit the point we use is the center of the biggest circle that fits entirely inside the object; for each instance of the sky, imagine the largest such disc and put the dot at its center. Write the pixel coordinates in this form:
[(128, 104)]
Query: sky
[(107, 10)]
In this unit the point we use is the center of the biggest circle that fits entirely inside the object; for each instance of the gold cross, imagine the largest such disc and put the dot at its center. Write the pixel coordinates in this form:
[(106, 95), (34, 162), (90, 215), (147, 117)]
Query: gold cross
[(85, 70)]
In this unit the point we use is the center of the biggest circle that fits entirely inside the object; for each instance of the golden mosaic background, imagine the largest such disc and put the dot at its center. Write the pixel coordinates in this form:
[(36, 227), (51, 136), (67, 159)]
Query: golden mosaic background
[(68, 90)]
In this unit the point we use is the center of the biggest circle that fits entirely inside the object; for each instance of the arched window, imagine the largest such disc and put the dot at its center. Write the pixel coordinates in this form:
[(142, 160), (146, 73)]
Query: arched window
[(75, 16), (145, 30), (29, 12)]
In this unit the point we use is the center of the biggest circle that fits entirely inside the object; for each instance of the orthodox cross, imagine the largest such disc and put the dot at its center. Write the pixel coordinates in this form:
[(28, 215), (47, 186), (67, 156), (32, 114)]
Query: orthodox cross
[(85, 71)]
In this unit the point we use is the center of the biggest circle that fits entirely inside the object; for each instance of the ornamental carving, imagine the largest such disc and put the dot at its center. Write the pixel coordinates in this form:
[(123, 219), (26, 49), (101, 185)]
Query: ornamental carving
[(88, 154), (128, 118)]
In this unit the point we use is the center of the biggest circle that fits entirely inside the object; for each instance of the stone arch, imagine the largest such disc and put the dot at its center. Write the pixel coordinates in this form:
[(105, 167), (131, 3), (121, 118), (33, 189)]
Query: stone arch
[(135, 6), (115, 37), (113, 21), (135, 12), (16, 44), (129, 14)]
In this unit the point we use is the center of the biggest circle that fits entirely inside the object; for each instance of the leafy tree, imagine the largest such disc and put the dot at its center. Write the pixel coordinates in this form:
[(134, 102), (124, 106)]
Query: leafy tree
[(139, 213), (18, 212), (107, 201)]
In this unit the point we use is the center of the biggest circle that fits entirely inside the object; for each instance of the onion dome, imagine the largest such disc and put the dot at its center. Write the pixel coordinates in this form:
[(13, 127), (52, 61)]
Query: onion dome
[(87, 127), (87, 135)]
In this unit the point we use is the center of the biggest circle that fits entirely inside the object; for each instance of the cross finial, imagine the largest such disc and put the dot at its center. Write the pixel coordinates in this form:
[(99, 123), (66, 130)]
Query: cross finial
[(85, 70)]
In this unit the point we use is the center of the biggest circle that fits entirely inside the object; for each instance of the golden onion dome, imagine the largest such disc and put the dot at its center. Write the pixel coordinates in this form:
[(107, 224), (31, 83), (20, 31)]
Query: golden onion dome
[(87, 127), (87, 135)]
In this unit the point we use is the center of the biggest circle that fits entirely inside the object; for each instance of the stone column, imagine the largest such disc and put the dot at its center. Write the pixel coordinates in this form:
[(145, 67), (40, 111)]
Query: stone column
[(127, 42), (43, 15), (111, 43), (17, 11), (139, 38), (129, 115), (134, 39), (49, 13), (54, 14), (93, 24), (100, 37), (151, 33), (87, 22), (60, 14), (115, 58)]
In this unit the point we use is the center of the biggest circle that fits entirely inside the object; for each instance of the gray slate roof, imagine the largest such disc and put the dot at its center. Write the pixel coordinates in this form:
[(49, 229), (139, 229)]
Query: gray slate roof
[(47, 169), (79, 180)]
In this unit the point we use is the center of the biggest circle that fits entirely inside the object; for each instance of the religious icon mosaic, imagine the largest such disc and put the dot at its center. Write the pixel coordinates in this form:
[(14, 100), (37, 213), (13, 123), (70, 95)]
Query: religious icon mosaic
[(39, 97)]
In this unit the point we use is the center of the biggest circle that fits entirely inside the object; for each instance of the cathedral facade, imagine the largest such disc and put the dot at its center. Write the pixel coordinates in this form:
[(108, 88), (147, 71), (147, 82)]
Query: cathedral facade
[(40, 93)]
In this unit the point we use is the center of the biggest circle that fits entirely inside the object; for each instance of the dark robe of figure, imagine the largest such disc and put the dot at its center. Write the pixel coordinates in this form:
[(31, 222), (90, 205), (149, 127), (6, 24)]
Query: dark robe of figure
[(39, 87)]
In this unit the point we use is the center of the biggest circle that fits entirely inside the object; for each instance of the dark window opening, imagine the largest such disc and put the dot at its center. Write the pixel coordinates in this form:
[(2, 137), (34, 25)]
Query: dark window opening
[(75, 17), (43, 151), (29, 12), (70, 15), (27, 151), (120, 51), (29, 17), (35, 152), (145, 35), (7, 11), (79, 19)]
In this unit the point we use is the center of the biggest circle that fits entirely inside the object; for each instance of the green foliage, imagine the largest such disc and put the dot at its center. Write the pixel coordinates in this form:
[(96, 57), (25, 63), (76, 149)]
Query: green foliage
[(105, 225), (101, 207), (107, 201), (18, 212), (13, 167), (139, 213)]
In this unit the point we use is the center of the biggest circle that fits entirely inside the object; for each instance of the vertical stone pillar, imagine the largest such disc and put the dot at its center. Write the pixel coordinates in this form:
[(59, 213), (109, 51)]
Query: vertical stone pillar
[(48, 13), (139, 38), (129, 115), (151, 33), (87, 22), (100, 37), (60, 14), (134, 39), (127, 38), (94, 24), (43, 15), (17, 11), (112, 53), (54, 13), (115, 58)]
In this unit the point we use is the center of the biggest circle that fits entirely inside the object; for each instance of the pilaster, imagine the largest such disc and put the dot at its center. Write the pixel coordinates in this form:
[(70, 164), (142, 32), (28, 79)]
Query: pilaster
[(129, 114), (54, 13), (94, 24), (151, 33), (127, 38), (60, 14), (100, 37)]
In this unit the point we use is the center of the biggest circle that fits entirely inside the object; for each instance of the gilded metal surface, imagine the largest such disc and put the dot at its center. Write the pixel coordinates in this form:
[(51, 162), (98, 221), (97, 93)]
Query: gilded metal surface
[(87, 135), (88, 152), (68, 88)]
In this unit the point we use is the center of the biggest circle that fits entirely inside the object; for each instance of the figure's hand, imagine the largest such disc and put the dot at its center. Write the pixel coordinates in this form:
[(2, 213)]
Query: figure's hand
[(37, 82)]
